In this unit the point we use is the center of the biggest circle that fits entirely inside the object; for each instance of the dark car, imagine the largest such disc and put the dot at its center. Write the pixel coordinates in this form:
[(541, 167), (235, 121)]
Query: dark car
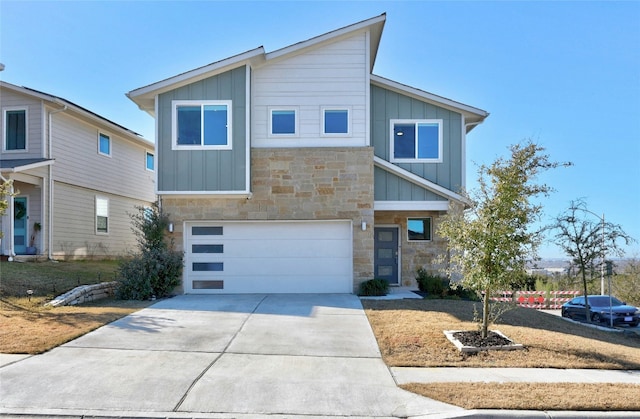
[(601, 312)]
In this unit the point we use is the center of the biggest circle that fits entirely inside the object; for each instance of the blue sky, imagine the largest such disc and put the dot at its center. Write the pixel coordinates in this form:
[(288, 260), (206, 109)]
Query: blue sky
[(564, 74)]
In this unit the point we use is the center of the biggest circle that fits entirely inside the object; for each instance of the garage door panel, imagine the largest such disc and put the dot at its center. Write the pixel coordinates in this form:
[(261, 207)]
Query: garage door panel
[(275, 256)]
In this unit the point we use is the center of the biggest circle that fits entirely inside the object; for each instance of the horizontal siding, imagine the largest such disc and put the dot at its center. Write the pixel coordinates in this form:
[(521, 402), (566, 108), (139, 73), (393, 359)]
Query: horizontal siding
[(205, 170), (77, 161), (74, 231), (330, 75), (389, 187), (34, 132), (387, 105)]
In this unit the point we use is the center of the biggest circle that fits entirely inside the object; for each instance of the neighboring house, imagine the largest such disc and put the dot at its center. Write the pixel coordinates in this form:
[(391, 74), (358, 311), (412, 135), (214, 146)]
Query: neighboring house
[(77, 176), (298, 170)]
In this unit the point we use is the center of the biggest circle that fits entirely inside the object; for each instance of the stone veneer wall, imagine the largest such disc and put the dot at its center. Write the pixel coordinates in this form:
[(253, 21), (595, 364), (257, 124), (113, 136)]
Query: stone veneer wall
[(414, 254), (297, 184)]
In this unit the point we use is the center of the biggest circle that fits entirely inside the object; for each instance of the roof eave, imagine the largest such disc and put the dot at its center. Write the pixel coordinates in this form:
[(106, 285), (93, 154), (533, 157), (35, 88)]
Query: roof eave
[(420, 181), (375, 25), (145, 96), (62, 102), (473, 115)]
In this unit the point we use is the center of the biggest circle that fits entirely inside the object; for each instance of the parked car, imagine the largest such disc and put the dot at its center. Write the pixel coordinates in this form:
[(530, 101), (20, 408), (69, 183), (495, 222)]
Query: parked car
[(600, 311)]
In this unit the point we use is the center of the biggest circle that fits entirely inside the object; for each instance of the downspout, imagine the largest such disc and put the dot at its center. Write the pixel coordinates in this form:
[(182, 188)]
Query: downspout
[(50, 183), (11, 253)]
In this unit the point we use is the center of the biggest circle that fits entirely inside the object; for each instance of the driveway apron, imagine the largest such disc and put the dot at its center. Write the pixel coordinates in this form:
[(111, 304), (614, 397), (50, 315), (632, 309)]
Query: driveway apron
[(276, 354)]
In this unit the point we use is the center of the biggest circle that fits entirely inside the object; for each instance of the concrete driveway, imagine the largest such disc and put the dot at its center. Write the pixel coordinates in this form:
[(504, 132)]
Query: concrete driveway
[(216, 356)]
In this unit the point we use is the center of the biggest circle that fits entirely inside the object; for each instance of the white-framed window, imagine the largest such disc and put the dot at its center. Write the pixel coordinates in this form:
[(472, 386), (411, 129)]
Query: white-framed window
[(104, 144), (15, 129), (336, 121), (419, 229), (102, 215), (201, 125), (416, 140), (149, 161), (283, 122)]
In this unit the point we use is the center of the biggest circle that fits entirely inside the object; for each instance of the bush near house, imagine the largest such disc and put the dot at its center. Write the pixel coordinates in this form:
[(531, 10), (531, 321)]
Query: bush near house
[(374, 288), (157, 269)]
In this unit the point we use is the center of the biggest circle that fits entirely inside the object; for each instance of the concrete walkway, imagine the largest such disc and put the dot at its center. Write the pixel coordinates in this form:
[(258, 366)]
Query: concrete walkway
[(219, 356)]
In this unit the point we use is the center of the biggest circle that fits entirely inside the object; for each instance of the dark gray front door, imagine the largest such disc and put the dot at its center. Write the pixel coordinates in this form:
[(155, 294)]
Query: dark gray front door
[(386, 254)]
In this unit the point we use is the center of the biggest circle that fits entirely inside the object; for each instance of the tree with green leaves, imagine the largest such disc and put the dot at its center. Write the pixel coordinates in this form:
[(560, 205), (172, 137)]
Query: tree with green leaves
[(490, 242), (587, 242)]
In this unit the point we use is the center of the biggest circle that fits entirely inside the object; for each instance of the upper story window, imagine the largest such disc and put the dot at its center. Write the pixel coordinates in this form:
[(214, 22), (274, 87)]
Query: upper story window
[(15, 129), (335, 121), (104, 144), (149, 161), (201, 125), (416, 140), (419, 229), (283, 121)]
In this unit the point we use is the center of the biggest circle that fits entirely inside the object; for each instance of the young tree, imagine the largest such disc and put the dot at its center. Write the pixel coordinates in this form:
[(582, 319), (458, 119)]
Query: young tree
[(490, 242), (586, 241)]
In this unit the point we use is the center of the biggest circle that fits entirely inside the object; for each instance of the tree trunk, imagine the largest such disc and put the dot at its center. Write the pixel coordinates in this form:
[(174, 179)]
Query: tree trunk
[(485, 314), (587, 313)]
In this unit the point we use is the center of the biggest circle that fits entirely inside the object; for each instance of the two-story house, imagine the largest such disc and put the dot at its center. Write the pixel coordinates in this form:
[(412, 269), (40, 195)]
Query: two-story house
[(298, 170), (76, 176)]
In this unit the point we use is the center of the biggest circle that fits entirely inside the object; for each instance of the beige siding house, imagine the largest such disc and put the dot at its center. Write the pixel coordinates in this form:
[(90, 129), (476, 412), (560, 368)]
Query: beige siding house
[(77, 177)]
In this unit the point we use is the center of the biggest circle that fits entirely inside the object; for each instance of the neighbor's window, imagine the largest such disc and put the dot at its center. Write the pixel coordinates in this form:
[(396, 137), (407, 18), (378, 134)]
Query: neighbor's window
[(150, 164), (201, 124), (335, 121), (416, 140), (15, 129), (104, 144), (102, 215), (419, 229), (283, 121)]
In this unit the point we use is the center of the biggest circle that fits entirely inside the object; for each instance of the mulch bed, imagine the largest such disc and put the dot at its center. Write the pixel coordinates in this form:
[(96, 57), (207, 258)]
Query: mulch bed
[(474, 338)]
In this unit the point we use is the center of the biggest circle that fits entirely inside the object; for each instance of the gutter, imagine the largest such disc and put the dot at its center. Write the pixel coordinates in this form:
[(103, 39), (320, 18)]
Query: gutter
[(50, 182)]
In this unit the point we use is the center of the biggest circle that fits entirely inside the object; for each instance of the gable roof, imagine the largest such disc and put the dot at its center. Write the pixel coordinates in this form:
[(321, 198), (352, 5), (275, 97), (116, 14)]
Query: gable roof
[(86, 113), (473, 116), (144, 97)]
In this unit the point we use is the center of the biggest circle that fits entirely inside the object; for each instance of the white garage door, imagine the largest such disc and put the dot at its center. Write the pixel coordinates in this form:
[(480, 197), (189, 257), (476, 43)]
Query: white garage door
[(268, 257)]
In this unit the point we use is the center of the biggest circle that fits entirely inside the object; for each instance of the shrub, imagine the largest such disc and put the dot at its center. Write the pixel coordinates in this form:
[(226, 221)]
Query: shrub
[(156, 270), (431, 284), (374, 288)]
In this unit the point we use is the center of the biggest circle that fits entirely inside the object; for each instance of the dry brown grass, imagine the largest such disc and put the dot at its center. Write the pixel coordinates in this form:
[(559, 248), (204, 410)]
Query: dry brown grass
[(29, 327), (410, 333), (533, 396)]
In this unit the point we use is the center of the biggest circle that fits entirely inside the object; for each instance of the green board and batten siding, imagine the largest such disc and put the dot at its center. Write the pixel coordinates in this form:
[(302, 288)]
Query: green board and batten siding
[(387, 105), (205, 170)]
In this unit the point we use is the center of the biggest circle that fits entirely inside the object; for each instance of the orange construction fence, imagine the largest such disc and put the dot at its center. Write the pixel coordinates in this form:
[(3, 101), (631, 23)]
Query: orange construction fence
[(541, 300)]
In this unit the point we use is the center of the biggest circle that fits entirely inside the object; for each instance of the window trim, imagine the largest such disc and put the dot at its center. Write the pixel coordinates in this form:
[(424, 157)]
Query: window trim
[(4, 129), (296, 116), (323, 110), (97, 199), (146, 161), (393, 122), (430, 229), (108, 137), (202, 103)]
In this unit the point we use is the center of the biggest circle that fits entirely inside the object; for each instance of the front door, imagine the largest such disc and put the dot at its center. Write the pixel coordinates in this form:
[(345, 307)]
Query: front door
[(386, 254), (20, 225)]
